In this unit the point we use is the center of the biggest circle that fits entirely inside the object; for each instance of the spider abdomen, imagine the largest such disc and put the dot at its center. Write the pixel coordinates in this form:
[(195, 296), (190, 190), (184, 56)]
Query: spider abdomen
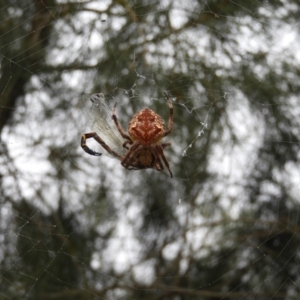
[(146, 127)]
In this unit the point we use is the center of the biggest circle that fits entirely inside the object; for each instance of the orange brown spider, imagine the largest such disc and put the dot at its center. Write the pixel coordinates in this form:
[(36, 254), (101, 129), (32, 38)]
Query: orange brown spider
[(143, 146)]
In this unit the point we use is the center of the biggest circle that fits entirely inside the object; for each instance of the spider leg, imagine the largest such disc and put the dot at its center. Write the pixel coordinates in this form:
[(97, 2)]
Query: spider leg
[(84, 137), (164, 145), (160, 150), (125, 144), (157, 160), (97, 138), (171, 118), (129, 155), (123, 134)]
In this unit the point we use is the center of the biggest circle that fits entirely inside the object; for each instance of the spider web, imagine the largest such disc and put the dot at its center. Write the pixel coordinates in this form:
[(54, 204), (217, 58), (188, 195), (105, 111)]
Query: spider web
[(74, 226)]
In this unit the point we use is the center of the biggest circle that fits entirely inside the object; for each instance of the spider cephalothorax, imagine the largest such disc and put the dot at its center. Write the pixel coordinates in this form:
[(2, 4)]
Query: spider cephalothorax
[(143, 144)]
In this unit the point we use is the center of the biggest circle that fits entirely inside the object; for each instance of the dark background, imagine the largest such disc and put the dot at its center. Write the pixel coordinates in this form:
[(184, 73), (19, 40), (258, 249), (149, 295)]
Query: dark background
[(73, 226)]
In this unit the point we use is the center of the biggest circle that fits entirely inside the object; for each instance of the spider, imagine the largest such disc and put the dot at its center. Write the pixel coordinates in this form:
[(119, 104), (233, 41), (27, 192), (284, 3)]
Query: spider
[(141, 146)]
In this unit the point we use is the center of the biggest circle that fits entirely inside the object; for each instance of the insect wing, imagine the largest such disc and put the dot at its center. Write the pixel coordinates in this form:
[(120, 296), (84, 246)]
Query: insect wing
[(99, 119)]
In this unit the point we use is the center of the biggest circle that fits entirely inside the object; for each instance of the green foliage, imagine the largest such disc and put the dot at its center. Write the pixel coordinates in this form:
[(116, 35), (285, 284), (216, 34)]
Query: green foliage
[(74, 226)]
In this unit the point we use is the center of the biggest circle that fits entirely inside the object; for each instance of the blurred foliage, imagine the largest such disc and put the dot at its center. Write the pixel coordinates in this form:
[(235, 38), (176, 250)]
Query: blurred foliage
[(74, 226)]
